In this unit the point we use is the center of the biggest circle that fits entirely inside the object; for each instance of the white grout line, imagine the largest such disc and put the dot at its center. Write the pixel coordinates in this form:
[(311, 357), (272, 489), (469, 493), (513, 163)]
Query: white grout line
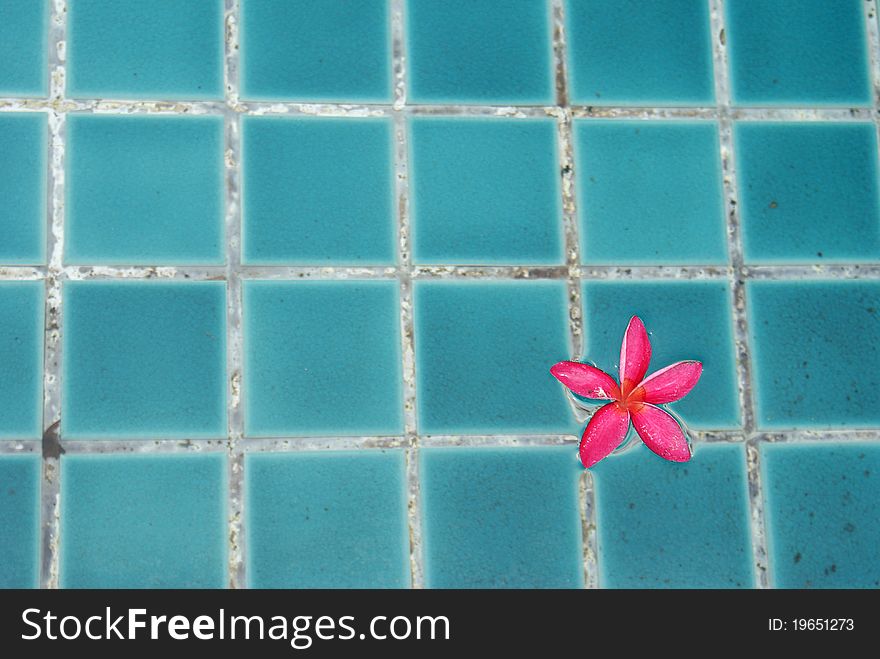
[(50, 495), (220, 272), (104, 106), (790, 272), (496, 441), (799, 272), (22, 273), (829, 435), (405, 275), (234, 339), (17, 446), (110, 272), (573, 273), (381, 442), (271, 108), (25, 104), (414, 518), (643, 113), (305, 444), (737, 284), (788, 114), (873, 41), (654, 272), (757, 517), (274, 108), (737, 271), (137, 446), (489, 111), (404, 270), (387, 442), (590, 540), (319, 272), (342, 110), (873, 38), (490, 272), (801, 114)]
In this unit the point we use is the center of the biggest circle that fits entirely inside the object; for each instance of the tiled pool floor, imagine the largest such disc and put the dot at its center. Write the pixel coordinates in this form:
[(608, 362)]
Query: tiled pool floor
[(281, 284)]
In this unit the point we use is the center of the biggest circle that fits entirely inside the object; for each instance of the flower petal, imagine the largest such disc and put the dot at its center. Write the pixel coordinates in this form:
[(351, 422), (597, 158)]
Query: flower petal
[(585, 380), (661, 433), (604, 433), (671, 383), (635, 353)]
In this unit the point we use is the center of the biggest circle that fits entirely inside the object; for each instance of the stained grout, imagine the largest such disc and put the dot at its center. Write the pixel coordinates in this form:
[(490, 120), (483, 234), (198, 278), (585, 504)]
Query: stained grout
[(463, 272), (590, 541), (873, 39), (50, 485), (571, 232), (414, 519), (806, 115), (801, 272), (737, 284), (867, 271), (234, 339), (319, 272), (20, 273), (405, 276), (571, 239), (103, 272), (20, 446), (737, 271), (379, 110), (756, 515), (341, 443), (496, 441), (246, 445), (817, 435), (137, 446), (791, 272), (738, 113)]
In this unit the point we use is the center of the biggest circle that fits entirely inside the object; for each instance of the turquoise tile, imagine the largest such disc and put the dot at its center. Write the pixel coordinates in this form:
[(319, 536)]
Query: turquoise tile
[(318, 191), (808, 192), (685, 320), (485, 191), (23, 154), (144, 190), (144, 360), (811, 52), (649, 193), (479, 51), (20, 521), (815, 352), (327, 520), (332, 50), (24, 26), (667, 525), (822, 507), (322, 358), (21, 360), (483, 357), (143, 521), (501, 518), (162, 49), (631, 52)]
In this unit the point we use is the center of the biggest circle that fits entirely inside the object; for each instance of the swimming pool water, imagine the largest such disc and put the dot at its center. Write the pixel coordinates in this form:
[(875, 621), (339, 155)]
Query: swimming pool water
[(281, 284)]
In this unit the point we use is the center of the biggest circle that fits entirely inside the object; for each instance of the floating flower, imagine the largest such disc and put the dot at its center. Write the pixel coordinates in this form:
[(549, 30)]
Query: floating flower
[(635, 400)]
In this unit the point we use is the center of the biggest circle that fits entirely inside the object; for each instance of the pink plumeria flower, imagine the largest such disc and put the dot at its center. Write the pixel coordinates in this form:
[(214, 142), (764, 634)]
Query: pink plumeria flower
[(636, 399)]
